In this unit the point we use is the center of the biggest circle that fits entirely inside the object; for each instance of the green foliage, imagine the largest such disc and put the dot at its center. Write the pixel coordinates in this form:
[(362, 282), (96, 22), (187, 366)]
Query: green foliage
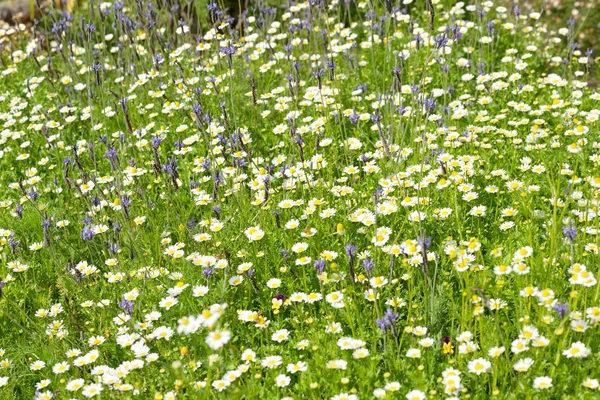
[(312, 200)]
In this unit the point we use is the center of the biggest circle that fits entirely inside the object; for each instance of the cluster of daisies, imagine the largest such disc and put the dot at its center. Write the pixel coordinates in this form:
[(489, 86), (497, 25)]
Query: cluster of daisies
[(322, 199)]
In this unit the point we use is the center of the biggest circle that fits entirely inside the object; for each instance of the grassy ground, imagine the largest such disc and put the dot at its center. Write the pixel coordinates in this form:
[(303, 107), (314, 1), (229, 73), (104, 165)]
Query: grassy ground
[(326, 201)]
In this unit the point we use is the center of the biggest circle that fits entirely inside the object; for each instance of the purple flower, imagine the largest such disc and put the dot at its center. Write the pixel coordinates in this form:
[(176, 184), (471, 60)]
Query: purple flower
[(205, 164), (284, 253), (32, 195), (378, 193), (351, 250), (368, 265), (19, 210), (197, 109), (440, 41), (46, 224), (126, 305), (388, 321), (230, 50), (319, 265), (390, 316), (111, 154), (570, 232), (125, 201), (156, 141), (382, 324), (319, 76), (117, 228), (87, 233), (429, 104), (13, 243), (112, 248), (424, 241), (562, 309)]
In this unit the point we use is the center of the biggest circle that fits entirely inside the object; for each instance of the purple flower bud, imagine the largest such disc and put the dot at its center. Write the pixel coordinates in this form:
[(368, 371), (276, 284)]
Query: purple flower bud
[(425, 242), (319, 265), (126, 305), (368, 266), (382, 324), (570, 232), (156, 141), (430, 104), (351, 250), (111, 154), (19, 210), (561, 309), (32, 195), (13, 243), (87, 233)]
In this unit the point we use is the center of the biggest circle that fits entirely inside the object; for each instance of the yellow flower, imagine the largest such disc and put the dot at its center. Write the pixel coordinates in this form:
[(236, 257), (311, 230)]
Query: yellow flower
[(448, 348)]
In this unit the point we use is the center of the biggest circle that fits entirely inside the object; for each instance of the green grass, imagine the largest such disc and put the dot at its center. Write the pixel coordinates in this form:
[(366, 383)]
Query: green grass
[(400, 185)]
